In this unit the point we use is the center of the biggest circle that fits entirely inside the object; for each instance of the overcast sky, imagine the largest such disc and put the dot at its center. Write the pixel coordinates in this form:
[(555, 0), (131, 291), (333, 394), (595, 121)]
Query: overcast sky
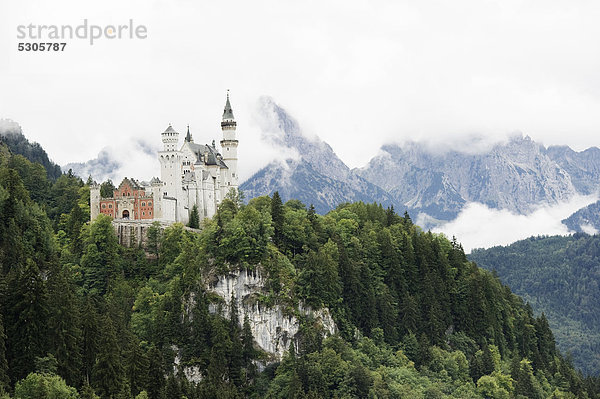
[(355, 73)]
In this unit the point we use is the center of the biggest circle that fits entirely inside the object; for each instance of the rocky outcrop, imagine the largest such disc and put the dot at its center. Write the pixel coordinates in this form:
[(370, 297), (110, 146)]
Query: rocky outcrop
[(273, 327)]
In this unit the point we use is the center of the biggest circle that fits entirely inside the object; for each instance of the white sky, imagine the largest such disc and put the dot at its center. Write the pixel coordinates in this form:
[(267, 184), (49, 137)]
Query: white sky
[(355, 73)]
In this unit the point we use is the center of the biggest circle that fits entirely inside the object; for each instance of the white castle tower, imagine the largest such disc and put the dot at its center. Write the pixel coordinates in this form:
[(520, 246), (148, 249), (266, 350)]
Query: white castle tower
[(170, 170), (229, 146), (192, 175)]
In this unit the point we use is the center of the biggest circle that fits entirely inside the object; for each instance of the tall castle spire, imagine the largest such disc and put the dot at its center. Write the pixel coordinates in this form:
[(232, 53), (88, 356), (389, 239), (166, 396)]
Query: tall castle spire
[(228, 113), (188, 136)]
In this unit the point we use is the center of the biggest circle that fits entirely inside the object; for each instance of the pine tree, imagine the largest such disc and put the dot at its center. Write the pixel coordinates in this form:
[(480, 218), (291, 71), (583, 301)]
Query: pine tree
[(277, 218), (107, 373), (136, 365), (64, 332), (173, 390), (525, 383), (87, 392), (100, 260), (248, 351), (156, 374), (26, 320), (194, 222), (4, 379), (90, 331)]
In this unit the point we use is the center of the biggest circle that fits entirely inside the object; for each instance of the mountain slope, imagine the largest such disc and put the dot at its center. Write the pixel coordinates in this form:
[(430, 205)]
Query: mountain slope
[(517, 176), (12, 135), (559, 276), (583, 167), (317, 177), (585, 220)]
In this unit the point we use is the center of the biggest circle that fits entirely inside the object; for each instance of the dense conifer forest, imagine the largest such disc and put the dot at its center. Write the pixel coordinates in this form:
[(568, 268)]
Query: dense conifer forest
[(559, 276), (83, 317)]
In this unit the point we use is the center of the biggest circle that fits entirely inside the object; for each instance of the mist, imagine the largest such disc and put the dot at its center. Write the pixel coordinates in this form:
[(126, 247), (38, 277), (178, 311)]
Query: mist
[(478, 226)]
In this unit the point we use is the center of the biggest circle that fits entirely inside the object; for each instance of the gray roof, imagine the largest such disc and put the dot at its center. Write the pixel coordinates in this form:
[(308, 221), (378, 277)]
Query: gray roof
[(170, 129), (228, 112), (213, 157)]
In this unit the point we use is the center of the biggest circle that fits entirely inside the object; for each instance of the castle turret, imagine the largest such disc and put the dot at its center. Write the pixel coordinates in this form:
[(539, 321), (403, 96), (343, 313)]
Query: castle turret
[(229, 146), (170, 167), (170, 139)]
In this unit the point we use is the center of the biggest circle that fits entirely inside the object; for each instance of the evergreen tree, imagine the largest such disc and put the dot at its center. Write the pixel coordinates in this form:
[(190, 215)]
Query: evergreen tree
[(107, 373), (90, 331), (194, 222), (173, 390), (136, 365), (100, 260), (63, 325), (26, 319), (248, 351), (4, 379), (87, 392), (156, 374), (278, 218), (107, 189)]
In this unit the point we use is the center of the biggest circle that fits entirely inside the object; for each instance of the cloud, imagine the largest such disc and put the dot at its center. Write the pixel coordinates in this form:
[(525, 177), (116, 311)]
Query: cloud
[(357, 75), (133, 157), (478, 226)]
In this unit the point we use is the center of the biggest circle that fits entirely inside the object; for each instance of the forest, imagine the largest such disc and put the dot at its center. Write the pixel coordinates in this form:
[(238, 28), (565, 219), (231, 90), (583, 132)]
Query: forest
[(84, 317), (559, 277)]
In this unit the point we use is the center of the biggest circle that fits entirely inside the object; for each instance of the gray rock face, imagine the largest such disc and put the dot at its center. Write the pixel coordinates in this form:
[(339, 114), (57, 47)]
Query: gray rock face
[(318, 177), (583, 166), (273, 330), (518, 176)]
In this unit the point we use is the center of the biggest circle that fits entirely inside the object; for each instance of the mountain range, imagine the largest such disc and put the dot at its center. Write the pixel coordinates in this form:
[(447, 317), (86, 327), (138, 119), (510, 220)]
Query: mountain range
[(518, 175)]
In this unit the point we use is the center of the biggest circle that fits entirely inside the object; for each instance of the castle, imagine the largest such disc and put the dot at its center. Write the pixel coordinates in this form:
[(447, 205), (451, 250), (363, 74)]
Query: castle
[(190, 175)]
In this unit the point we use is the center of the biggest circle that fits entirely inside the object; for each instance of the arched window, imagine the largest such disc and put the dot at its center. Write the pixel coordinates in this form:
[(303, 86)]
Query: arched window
[(125, 214), (143, 204)]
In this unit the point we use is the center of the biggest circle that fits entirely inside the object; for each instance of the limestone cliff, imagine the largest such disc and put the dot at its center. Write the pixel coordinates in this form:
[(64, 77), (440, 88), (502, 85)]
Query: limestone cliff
[(273, 327)]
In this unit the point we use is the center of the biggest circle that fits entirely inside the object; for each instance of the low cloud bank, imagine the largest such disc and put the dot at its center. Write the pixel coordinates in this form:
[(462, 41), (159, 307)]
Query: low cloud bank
[(478, 226)]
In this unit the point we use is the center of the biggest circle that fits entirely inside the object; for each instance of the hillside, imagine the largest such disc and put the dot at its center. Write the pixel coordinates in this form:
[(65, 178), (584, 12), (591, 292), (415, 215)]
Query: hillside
[(412, 316), (559, 276), (585, 220), (12, 136)]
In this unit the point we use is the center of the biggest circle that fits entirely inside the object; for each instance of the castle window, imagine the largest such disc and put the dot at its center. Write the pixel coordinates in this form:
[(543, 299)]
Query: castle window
[(150, 213), (143, 213), (143, 204), (103, 205), (110, 205), (149, 203)]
